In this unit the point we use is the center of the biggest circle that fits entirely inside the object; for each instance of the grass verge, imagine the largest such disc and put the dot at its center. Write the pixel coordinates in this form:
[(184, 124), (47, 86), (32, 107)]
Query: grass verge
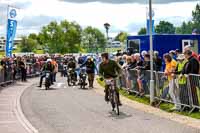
[(145, 100)]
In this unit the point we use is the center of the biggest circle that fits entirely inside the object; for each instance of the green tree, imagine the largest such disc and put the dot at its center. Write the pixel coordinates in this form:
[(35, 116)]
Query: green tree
[(196, 17), (28, 44), (122, 36), (71, 36), (93, 39), (188, 27), (143, 31), (165, 27), (61, 38), (185, 28), (33, 36)]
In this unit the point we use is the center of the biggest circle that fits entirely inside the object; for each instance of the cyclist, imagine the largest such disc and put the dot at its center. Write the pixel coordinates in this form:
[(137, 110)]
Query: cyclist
[(109, 69)]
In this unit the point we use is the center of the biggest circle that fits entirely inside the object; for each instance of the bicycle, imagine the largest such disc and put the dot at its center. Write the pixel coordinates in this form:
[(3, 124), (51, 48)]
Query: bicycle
[(113, 98)]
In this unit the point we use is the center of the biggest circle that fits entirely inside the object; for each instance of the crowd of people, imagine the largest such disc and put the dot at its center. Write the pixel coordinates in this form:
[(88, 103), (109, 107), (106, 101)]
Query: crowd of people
[(174, 67), (20, 66)]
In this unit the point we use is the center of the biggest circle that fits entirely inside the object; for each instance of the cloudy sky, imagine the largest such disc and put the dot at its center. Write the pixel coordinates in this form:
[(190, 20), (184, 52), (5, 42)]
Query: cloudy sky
[(123, 15)]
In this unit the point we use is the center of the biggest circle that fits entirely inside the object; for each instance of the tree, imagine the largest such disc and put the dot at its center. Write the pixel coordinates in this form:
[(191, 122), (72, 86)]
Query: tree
[(93, 40), (196, 17), (143, 31), (71, 36), (28, 44), (188, 27), (165, 27), (61, 38), (33, 36), (122, 36), (185, 28)]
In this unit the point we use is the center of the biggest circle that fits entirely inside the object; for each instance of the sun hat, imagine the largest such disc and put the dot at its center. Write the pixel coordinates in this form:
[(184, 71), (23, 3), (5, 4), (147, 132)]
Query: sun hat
[(181, 57)]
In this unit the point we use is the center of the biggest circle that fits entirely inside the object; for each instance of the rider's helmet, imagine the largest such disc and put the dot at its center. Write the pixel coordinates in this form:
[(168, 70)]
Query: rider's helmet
[(89, 58), (49, 60), (71, 59)]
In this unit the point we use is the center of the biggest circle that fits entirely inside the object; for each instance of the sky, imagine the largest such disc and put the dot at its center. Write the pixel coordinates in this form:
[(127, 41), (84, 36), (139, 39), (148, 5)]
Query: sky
[(122, 15)]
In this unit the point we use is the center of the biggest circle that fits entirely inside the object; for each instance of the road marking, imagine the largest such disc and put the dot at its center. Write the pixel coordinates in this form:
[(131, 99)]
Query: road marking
[(59, 84)]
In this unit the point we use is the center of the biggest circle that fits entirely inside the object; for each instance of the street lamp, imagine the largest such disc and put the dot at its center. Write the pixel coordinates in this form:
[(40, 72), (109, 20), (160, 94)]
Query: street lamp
[(107, 27), (151, 52)]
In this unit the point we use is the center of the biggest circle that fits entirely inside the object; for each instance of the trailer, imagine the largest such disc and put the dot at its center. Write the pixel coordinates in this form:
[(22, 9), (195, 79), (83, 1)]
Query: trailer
[(163, 43)]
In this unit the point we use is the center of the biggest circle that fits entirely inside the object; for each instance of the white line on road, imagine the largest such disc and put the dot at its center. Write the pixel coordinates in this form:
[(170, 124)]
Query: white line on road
[(59, 84)]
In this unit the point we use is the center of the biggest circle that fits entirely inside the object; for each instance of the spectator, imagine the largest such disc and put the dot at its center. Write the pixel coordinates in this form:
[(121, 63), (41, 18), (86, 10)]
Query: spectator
[(172, 53), (22, 65), (188, 47), (182, 90), (192, 67), (157, 61), (144, 76), (138, 59), (130, 64), (3, 64), (143, 53), (124, 60), (177, 51), (169, 72)]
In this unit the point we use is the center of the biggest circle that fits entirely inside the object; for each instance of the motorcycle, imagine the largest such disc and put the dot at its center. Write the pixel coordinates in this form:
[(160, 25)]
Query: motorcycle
[(47, 79), (83, 77), (71, 77)]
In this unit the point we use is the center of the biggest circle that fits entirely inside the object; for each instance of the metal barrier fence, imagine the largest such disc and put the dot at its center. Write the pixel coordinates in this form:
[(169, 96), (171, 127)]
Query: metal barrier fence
[(181, 90), (12, 73)]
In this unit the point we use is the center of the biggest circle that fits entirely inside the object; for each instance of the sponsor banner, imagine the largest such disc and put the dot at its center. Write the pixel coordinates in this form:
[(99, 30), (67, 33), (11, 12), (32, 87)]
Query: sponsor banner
[(11, 30)]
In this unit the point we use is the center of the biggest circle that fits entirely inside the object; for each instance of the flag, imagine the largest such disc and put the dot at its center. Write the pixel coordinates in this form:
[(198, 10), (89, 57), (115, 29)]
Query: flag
[(11, 29)]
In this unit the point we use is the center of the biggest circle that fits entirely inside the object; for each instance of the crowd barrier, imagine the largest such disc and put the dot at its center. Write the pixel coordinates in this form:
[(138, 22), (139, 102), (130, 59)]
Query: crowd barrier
[(185, 92), (11, 74)]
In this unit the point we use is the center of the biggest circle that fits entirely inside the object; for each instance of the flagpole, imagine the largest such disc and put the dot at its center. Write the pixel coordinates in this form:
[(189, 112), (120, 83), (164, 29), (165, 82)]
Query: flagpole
[(151, 53)]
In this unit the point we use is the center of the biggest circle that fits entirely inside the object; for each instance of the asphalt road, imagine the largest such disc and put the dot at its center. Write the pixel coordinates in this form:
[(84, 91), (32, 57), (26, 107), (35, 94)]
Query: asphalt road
[(71, 110)]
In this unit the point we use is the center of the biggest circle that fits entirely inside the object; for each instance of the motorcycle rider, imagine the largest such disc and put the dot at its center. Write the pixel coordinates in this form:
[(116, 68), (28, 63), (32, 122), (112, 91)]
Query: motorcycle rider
[(72, 64), (46, 67), (90, 69), (109, 69)]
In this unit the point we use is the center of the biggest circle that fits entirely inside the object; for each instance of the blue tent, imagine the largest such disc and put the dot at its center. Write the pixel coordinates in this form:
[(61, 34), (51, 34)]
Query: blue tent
[(163, 43)]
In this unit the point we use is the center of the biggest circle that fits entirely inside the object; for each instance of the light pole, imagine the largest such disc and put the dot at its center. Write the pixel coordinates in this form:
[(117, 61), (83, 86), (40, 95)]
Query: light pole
[(151, 53), (107, 27)]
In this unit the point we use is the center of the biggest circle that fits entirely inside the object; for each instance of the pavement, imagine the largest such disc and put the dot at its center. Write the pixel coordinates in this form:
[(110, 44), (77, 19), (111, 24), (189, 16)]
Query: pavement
[(12, 119), (64, 109)]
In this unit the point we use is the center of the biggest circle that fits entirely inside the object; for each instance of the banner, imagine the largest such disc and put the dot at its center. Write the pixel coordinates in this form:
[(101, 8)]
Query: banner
[(11, 30), (148, 21), (148, 27)]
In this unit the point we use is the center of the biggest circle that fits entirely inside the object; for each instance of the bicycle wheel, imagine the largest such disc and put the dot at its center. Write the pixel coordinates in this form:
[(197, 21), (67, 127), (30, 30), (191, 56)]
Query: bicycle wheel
[(116, 101), (111, 98)]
